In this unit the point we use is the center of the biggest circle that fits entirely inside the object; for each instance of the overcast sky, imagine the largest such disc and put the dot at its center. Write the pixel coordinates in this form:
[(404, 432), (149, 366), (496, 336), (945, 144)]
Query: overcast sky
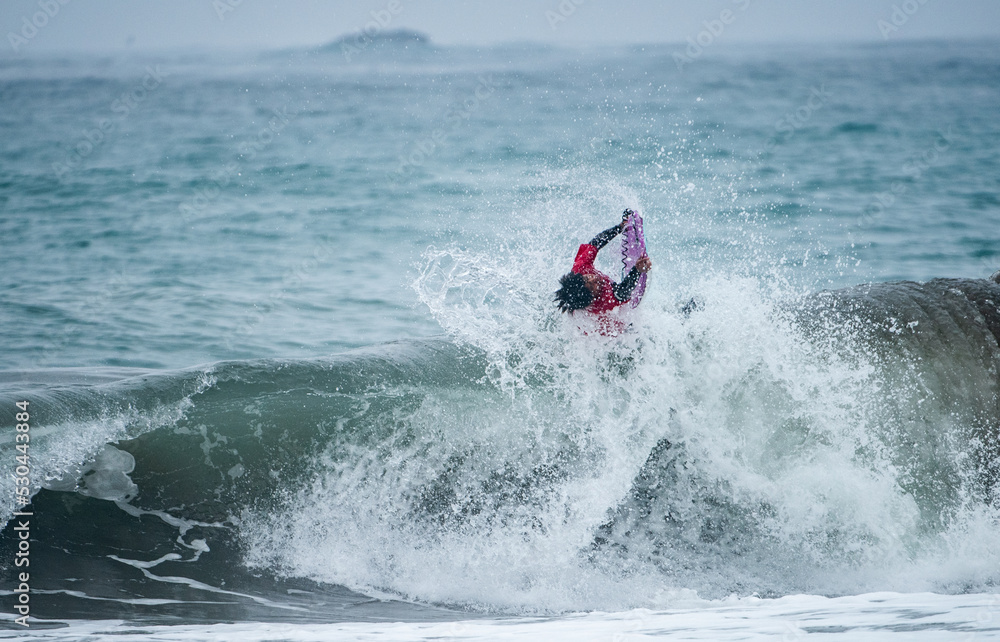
[(114, 25)]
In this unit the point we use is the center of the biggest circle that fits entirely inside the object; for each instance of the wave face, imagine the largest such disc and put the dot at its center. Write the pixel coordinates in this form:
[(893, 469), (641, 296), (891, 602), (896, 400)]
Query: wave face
[(838, 443)]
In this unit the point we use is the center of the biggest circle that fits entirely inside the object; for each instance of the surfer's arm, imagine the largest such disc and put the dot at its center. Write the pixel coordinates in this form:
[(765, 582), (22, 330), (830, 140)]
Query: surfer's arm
[(602, 239), (623, 290)]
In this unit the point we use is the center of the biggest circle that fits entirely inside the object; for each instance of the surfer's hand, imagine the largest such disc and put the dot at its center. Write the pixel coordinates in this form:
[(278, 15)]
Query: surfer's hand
[(644, 264)]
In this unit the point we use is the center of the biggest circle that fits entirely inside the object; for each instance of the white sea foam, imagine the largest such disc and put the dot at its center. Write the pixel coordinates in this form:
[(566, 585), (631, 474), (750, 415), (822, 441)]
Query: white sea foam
[(784, 474), (875, 617)]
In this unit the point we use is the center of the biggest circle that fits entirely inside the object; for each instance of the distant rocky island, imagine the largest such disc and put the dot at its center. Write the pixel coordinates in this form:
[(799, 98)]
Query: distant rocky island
[(378, 38)]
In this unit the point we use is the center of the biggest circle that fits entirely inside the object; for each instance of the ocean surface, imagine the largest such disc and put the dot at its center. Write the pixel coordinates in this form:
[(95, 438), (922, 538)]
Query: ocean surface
[(284, 324)]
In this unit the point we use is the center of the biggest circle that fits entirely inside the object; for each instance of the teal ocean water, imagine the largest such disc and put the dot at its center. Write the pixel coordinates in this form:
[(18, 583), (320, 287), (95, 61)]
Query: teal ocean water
[(284, 322), (279, 204)]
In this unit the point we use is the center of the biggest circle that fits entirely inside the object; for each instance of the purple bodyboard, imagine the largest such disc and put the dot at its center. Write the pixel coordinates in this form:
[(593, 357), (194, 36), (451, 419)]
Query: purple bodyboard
[(633, 249)]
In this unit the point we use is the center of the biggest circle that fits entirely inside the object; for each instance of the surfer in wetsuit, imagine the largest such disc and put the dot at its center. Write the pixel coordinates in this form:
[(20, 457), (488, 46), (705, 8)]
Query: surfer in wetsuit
[(586, 288)]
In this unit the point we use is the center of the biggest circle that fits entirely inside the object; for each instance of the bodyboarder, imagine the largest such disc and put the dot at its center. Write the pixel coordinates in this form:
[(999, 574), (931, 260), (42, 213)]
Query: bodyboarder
[(586, 288)]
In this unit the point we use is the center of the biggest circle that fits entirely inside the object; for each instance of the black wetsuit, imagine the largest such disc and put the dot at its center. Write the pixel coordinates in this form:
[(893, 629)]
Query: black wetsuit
[(623, 290)]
